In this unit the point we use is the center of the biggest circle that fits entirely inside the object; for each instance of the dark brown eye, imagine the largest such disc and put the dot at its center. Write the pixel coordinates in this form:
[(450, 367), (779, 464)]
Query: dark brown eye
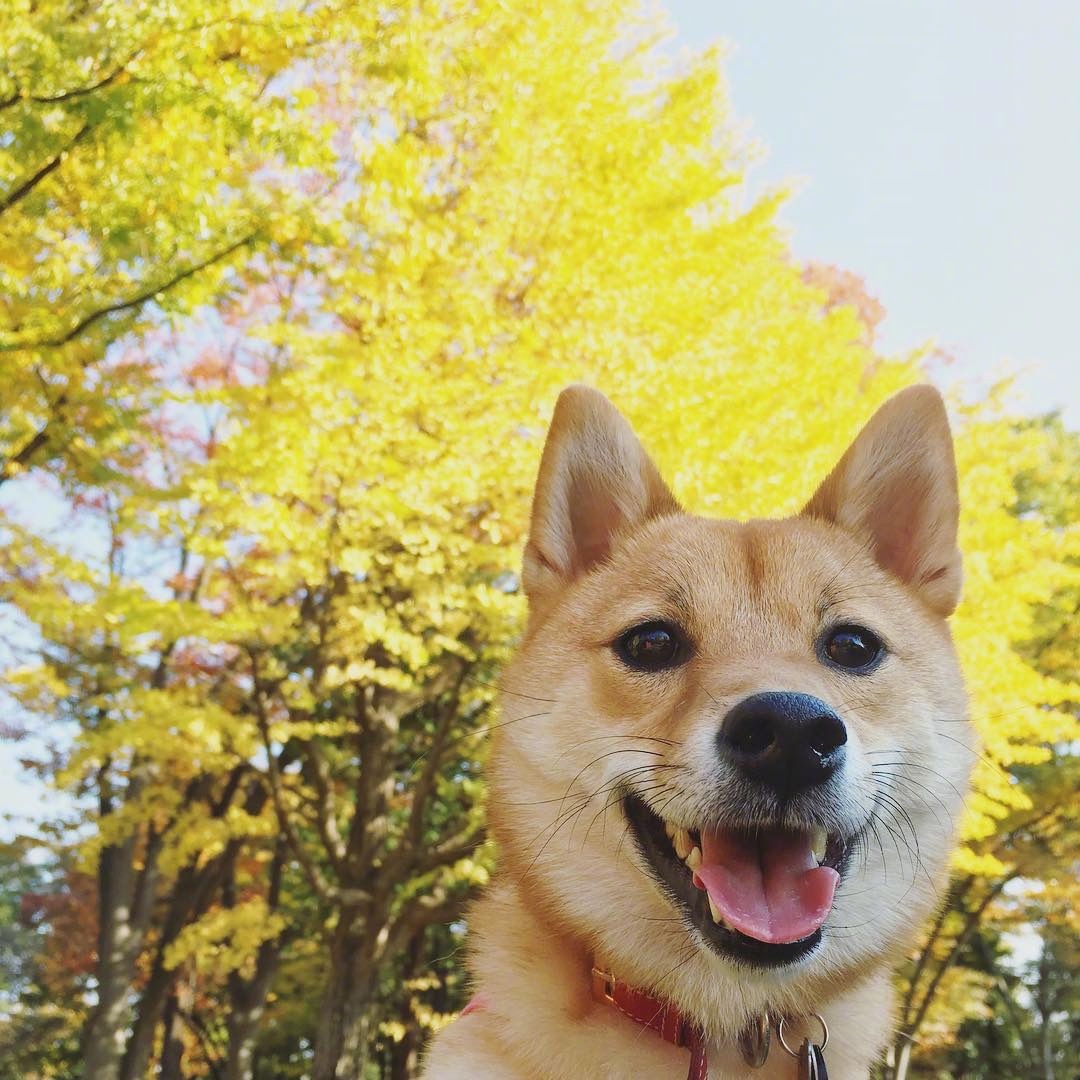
[(853, 647), (652, 646)]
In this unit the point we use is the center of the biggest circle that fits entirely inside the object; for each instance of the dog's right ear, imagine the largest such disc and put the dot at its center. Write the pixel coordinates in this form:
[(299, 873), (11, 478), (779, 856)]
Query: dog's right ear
[(595, 480)]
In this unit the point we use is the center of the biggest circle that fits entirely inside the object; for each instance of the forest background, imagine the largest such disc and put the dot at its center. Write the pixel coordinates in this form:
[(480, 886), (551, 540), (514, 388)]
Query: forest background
[(287, 290)]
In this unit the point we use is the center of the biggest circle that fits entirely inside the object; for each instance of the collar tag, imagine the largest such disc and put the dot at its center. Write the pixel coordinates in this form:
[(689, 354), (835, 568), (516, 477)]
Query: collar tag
[(754, 1040)]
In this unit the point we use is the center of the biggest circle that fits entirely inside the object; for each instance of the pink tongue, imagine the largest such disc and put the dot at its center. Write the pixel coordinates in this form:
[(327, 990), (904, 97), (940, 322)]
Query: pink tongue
[(766, 885)]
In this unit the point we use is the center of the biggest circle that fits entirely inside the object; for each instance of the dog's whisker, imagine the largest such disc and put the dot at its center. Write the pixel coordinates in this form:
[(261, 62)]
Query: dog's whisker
[(556, 799), (923, 768), (827, 591), (564, 817), (618, 796), (478, 731), (502, 689), (691, 952), (891, 778), (634, 738), (621, 750), (610, 753), (874, 822), (891, 809), (975, 753), (891, 833)]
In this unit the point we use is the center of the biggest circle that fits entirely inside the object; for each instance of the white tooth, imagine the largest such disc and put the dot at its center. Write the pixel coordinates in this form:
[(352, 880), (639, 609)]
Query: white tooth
[(714, 911), (693, 860), (818, 841), (681, 840), (669, 829)]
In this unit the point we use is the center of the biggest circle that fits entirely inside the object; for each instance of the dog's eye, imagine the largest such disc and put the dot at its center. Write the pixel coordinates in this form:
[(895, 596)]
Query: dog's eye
[(652, 646), (853, 647)]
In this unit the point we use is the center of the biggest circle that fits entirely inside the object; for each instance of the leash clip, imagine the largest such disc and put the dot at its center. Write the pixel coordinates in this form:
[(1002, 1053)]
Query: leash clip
[(809, 1056)]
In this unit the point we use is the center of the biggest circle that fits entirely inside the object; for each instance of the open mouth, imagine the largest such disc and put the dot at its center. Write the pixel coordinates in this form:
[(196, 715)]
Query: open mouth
[(760, 896)]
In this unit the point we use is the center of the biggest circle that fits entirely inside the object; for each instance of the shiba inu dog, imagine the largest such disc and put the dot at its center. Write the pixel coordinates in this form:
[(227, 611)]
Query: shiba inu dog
[(728, 768)]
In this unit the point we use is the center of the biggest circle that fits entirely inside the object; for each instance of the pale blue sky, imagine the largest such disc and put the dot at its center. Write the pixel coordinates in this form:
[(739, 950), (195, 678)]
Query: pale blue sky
[(936, 147)]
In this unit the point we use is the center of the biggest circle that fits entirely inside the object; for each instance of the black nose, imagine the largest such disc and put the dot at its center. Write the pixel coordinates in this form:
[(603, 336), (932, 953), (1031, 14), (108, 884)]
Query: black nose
[(788, 741)]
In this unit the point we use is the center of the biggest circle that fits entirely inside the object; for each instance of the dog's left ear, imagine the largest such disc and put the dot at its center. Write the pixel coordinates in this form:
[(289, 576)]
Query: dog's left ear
[(895, 488), (595, 479)]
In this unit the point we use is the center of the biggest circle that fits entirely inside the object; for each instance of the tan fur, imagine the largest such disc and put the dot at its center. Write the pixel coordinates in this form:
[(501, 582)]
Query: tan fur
[(609, 548)]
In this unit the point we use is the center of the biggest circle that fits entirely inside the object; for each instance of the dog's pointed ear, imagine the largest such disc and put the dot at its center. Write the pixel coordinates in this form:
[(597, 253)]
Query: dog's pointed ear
[(895, 488), (595, 479)]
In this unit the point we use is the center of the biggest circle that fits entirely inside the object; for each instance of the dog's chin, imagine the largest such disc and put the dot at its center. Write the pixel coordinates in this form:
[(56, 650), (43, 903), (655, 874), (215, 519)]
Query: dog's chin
[(654, 840)]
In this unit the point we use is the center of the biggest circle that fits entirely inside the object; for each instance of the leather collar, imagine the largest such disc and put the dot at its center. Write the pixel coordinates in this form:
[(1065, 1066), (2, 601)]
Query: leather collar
[(657, 1015)]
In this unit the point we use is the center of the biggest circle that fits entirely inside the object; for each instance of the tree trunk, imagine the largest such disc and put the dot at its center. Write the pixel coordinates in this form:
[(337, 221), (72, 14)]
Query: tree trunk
[(405, 1055), (248, 998), (344, 1031), (104, 1039), (1047, 1050), (119, 939), (192, 894), (151, 1007), (1045, 1006), (903, 1057), (172, 1051)]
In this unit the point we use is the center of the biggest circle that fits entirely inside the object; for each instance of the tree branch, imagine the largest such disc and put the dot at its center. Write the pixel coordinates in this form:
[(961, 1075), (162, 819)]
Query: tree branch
[(28, 185), (425, 784), (455, 847), (957, 894), (142, 901), (961, 939), (126, 305), (325, 813), (68, 95), (423, 911), (325, 890)]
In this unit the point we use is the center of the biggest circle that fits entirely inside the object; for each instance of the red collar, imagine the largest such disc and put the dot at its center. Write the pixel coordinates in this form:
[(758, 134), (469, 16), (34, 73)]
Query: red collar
[(641, 1007), (655, 1014)]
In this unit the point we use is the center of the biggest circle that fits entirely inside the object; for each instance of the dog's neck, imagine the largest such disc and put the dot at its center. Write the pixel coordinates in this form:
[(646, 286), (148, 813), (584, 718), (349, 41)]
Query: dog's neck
[(656, 958), (536, 973), (528, 937)]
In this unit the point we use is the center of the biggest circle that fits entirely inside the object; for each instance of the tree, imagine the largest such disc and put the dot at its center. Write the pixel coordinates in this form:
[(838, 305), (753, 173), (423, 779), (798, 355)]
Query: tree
[(1018, 873), (275, 632), (146, 154), (48, 915), (132, 179), (843, 288)]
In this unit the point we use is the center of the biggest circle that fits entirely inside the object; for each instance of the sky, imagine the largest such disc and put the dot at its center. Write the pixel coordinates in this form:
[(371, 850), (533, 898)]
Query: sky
[(934, 148)]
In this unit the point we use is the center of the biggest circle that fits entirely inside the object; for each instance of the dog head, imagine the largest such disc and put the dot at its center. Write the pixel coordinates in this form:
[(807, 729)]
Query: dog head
[(731, 753)]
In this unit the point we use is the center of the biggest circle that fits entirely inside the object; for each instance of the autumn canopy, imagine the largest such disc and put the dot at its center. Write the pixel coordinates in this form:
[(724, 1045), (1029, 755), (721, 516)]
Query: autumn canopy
[(287, 291)]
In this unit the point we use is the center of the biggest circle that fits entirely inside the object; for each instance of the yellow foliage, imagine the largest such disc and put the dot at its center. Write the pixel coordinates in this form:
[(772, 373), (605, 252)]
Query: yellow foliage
[(225, 939), (533, 212), (410, 248)]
